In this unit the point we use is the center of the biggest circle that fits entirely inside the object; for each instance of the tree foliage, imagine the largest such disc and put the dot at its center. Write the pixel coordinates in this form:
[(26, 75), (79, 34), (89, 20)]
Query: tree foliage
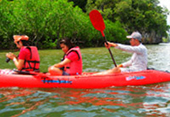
[(80, 3), (145, 16), (47, 21)]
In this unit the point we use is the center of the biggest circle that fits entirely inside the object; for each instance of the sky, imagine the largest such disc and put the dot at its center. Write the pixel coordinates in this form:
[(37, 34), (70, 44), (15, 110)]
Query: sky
[(166, 3)]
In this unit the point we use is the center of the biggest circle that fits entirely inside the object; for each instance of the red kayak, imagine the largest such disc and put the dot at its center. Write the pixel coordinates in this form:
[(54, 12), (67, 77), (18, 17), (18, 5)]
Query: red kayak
[(86, 80)]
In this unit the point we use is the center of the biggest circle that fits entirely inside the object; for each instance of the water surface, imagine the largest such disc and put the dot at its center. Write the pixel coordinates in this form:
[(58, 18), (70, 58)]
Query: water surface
[(131, 101)]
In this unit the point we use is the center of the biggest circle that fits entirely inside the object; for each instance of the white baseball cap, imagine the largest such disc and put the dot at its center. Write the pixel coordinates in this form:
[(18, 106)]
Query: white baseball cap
[(135, 35)]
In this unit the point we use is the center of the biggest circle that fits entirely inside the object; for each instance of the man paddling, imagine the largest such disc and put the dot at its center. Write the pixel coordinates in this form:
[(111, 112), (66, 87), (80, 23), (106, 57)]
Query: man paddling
[(138, 61)]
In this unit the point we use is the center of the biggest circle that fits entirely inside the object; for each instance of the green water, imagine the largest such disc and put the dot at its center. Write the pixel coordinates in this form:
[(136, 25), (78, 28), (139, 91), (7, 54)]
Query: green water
[(94, 59), (131, 101)]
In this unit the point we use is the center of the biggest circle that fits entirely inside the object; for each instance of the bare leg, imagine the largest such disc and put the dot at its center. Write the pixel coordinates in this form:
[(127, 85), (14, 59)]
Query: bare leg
[(110, 71), (55, 71)]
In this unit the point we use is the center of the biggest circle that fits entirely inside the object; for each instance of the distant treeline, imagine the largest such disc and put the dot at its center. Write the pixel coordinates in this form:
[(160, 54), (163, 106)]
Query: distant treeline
[(48, 21)]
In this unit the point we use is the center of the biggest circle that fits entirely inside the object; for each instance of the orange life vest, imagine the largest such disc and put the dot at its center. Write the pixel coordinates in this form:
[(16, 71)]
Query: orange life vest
[(74, 67)]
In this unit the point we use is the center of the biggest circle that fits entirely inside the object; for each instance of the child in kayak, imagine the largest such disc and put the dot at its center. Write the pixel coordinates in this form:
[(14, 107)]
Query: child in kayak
[(28, 59), (138, 61), (72, 60)]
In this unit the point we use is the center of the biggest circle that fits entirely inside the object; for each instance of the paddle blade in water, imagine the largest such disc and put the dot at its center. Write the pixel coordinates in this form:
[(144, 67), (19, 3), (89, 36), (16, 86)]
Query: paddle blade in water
[(97, 20)]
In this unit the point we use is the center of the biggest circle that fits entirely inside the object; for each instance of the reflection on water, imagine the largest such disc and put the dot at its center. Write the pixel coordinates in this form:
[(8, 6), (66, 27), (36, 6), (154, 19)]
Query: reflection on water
[(150, 100), (131, 101)]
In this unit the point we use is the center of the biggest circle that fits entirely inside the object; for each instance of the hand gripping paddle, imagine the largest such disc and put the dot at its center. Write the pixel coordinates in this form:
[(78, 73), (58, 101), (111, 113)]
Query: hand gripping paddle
[(98, 23)]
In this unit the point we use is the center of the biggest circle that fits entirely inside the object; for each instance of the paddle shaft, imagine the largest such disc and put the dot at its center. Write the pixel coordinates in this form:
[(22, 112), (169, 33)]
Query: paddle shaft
[(109, 48), (98, 23)]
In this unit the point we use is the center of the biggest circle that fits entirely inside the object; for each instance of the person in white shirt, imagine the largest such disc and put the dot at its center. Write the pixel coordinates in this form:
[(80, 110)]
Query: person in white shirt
[(138, 61)]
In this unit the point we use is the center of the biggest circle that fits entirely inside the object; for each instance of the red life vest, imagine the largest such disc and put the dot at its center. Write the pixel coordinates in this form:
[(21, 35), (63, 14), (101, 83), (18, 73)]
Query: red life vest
[(74, 67), (33, 63)]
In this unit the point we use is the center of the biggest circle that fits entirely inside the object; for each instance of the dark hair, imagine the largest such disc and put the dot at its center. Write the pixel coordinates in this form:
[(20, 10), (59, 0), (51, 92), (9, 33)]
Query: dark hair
[(67, 42), (25, 43)]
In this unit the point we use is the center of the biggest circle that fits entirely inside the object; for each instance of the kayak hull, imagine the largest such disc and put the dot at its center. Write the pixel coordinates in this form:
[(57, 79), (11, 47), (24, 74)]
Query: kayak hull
[(87, 80)]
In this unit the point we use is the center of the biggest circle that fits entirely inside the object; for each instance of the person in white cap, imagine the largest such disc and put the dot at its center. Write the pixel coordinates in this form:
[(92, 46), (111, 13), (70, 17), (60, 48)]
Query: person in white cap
[(138, 61)]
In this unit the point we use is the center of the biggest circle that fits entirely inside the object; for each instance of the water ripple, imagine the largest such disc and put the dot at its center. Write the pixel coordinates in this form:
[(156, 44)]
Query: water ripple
[(131, 101)]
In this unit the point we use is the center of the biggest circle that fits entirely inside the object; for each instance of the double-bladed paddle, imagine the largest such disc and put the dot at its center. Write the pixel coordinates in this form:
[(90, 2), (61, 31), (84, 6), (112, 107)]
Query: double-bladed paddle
[(98, 23)]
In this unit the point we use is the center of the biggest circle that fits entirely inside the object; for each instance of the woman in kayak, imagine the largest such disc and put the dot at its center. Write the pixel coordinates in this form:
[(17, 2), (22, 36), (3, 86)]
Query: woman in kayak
[(138, 61), (72, 60), (28, 59)]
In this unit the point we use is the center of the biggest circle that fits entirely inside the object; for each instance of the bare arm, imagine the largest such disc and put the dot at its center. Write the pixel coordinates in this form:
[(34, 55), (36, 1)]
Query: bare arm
[(62, 63), (18, 63)]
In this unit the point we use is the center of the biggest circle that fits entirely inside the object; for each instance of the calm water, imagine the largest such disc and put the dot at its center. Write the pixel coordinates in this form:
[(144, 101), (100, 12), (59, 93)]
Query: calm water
[(132, 101)]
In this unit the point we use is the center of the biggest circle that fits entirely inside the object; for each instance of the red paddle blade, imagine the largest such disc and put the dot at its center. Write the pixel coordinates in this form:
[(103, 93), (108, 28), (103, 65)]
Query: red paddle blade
[(97, 20)]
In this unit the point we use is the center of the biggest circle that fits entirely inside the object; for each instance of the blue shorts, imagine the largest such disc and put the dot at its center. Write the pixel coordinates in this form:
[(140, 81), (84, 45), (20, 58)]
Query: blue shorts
[(65, 73)]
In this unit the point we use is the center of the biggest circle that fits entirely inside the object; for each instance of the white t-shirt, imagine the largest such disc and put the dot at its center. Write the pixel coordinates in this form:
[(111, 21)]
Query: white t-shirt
[(138, 61)]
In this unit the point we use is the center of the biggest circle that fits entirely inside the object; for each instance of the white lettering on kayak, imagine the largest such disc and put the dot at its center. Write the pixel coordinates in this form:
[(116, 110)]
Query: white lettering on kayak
[(135, 78)]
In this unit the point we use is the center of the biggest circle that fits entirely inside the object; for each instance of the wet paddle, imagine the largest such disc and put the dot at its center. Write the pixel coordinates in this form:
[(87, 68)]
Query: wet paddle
[(98, 23)]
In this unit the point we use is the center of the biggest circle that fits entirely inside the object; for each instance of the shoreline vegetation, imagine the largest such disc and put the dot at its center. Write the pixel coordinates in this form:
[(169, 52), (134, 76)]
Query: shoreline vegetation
[(48, 21)]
